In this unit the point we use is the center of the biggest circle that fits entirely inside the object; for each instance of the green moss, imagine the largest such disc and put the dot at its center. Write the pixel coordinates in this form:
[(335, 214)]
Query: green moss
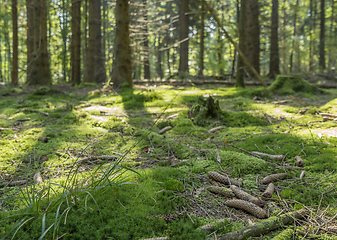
[(45, 91), (208, 110), (88, 85), (286, 234), (288, 84), (9, 91), (125, 210)]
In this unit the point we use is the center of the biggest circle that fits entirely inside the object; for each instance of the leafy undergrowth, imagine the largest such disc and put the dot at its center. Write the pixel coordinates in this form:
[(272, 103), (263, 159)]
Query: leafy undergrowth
[(108, 173)]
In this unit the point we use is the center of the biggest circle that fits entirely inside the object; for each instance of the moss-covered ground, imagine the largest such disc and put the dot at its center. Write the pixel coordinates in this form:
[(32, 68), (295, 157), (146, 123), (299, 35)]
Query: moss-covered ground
[(108, 173)]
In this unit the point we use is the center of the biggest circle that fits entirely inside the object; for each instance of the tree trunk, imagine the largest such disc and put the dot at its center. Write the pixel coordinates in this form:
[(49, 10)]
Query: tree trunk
[(202, 38), (64, 33), (311, 40), (147, 74), (238, 21), (184, 24), (46, 74), (95, 69), (8, 54), (252, 34), (85, 27), (322, 38), (122, 69), (331, 43), (274, 63), (38, 71), (220, 53), (104, 26), (294, 37), (76, 42), (15, 81), (240, 68), (168, 56), (159, 59), (284, 68)]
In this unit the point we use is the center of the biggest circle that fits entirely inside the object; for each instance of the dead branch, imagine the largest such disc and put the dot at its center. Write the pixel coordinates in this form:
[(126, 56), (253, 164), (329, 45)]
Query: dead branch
[(265, 226), (37, 111)]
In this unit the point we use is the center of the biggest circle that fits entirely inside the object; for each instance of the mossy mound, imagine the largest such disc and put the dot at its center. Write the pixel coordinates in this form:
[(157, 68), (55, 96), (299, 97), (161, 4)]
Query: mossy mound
[(45, 91), (10, 91), (287, 84), (208, 109)]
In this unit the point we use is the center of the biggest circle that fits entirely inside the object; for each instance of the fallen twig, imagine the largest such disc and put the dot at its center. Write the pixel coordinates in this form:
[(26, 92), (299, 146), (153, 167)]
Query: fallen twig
[(37, 111)]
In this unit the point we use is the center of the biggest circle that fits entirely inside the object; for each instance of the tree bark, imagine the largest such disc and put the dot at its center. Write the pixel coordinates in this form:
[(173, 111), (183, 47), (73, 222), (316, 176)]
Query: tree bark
[(220, 53), (15, 67), (85, 27), (122, 68), (46, 74), (322, 38), (76, 42), (202, 38), (147, 73), (331, 42), (311, 40), (274, 62), (184, 24), (284, 68), (237, 21), (95, 69), (294, 37), (252, 34), (159, 59), (64, 33), (38, 70), (240, 74)]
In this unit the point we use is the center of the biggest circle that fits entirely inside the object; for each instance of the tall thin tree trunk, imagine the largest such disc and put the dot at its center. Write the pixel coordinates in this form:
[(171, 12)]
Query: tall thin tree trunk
[(122, 71), (159, 59), (184, 24), (38, 69), (76, 42), (15, 67), (147, 73), (202, 38), (100, 71), (274, 62), (240, 68), (46, 74), (331, 43), (220, 53), (8, 54), (284, 36), (311, 40), (64, 33), (322, 65), (238, 21), (168, 56), (85, 27), (95, 69), (104, 24), (294, 37), (252, 34), (30, 35)]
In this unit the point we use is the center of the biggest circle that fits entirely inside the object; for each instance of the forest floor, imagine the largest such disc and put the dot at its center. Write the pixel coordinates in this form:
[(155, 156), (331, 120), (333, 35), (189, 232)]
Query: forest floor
[(85, 163)]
